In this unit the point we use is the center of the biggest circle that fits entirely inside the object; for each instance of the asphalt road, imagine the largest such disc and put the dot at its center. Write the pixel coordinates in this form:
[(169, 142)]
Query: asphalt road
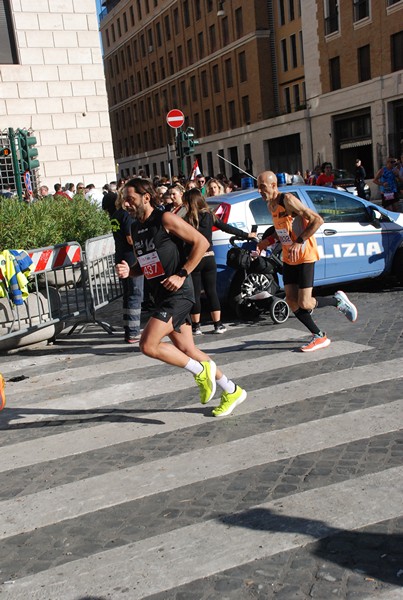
[(116, 483)]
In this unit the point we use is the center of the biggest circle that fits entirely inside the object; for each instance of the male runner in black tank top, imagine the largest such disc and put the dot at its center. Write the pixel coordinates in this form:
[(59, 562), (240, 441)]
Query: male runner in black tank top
[(158, 239)]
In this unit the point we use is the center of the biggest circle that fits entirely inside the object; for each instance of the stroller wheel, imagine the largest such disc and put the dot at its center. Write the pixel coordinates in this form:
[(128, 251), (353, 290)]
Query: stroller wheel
[(279, 310)]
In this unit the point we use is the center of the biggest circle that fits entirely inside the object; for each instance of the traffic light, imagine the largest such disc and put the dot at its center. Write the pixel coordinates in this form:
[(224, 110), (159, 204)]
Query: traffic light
[(28, 152), (190, 142), (4, 151)]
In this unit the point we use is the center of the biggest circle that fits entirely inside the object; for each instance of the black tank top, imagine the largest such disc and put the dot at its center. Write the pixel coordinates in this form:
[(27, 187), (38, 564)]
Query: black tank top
[(160, 255)]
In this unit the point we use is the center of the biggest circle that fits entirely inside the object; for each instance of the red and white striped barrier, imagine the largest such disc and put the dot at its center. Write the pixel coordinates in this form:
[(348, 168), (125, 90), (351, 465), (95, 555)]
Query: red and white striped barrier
[(48, 259)]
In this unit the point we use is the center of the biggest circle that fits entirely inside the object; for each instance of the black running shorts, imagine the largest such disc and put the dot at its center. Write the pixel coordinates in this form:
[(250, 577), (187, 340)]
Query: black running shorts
[(175, 307), (300, 275)]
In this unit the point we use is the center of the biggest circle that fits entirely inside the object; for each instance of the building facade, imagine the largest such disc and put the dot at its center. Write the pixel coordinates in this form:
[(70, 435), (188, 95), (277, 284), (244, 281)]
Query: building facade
[(52, 82), (279, 84)]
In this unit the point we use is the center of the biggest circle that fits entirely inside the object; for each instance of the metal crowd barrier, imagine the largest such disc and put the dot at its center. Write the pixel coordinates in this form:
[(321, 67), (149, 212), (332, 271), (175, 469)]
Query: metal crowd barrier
[(67, 286)]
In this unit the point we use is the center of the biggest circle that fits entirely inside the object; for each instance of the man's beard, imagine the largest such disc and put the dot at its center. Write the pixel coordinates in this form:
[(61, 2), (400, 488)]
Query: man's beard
[(137, 212)]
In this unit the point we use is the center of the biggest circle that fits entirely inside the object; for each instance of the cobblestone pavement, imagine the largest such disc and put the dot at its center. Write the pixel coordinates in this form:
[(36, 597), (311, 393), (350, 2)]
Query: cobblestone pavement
[(116, 483)]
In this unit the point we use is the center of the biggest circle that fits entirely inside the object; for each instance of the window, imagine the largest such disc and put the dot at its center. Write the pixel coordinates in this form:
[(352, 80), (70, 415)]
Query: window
[(392, 2), (174, 95), (212, 36), (186, 14), (167, 27), (135, 51), (361, 10), (281, 12), (334, 72), (138, 10), (216, 79), (142, 46), (189, 45), (287, 99), (146, 77), (131, 12), (225, 31), (204, 84), (397, 51), (243, 74), (364, 63), (129, 56), (331, 16), (209, 5), (193, 88), (157, 104), (184, 96), (147, 6), (238, 23), (335, 208), (197, 10), (207, 121), (117, 64), (232, 114), (294, 56), (245, 110), (301, 45), (219, 118), (108, 43), (158, 33), (122, 59), (284, 54), (119, 28), (125, 22), (162, 68), (200, 43), (176, 21), (228, 73), (113, 33), (150, 40), (297, 100), (171, 67), (291, 12)]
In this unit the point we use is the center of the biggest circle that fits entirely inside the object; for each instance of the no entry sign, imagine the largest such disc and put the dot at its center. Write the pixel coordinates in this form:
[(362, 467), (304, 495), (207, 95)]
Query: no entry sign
[(175, 118)]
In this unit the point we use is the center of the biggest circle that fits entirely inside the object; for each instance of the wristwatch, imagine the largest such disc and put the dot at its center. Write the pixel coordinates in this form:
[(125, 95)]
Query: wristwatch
[(182, 273)]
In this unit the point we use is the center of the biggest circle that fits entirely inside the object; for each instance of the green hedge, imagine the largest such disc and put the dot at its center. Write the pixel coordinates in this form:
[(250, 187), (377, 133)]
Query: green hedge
[(50, 221)]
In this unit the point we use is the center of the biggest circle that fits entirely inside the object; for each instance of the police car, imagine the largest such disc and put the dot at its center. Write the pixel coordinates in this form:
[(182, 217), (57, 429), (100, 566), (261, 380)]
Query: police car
[(357, 240)]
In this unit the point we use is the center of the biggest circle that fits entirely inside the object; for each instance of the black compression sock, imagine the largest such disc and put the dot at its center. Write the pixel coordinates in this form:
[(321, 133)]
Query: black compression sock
[(325, 301), (305, 317)]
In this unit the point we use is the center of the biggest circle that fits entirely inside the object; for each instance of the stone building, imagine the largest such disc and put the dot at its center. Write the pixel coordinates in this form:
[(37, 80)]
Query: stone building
[(52, 81)]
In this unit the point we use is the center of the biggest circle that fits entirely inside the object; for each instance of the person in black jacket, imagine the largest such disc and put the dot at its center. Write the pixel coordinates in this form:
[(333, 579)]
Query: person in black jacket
[(201, 218), (121, 223), (359, 178)]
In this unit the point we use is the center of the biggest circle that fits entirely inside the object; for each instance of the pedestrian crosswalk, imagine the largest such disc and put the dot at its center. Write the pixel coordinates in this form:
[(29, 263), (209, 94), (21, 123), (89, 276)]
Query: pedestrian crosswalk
[(115, 482)]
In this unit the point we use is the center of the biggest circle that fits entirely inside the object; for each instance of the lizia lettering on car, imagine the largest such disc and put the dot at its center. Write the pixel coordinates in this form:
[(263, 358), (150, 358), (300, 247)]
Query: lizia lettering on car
[(351, 250)]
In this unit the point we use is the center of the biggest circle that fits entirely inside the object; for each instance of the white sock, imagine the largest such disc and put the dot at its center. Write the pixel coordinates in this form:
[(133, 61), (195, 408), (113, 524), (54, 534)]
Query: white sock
[(226, 384), (194, 366)]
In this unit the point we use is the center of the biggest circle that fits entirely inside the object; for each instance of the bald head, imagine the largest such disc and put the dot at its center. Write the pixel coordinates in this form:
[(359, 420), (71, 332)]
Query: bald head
[(267, 185)]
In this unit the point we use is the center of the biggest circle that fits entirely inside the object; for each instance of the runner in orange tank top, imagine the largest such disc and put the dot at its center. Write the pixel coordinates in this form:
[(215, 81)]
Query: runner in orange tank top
[(295, 226)]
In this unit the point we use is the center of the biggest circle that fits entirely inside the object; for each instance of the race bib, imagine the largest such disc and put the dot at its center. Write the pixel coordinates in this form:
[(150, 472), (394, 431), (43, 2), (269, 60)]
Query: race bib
[(151, 265), (284, 237), (389, 196)]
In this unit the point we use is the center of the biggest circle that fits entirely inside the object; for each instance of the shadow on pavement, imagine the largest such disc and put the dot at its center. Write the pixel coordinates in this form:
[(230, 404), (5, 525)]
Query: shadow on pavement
[(375, 555)]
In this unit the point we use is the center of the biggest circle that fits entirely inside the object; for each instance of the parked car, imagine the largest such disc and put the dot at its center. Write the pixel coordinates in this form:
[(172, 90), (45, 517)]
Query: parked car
[(344, 179), (357, 240)]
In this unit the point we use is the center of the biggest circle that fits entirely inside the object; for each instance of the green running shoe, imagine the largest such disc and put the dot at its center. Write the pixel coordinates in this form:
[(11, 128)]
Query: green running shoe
[(229, 402), (206, 381)]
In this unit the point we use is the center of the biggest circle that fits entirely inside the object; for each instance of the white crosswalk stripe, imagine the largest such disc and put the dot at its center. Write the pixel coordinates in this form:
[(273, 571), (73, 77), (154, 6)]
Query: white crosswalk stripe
[(156, 563)]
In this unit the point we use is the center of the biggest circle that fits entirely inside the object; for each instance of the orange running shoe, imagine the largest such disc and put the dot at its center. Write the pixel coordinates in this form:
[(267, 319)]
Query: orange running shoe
[(2, 392), (316, 343)]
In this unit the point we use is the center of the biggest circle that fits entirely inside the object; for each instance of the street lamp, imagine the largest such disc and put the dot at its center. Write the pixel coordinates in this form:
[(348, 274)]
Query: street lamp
[(220, 9)]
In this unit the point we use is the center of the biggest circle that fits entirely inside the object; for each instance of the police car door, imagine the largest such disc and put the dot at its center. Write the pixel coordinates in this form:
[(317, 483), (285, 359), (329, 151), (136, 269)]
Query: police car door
[(353, 245)]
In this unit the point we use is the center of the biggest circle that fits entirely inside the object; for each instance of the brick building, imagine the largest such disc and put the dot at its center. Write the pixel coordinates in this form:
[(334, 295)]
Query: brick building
[(281, 84)]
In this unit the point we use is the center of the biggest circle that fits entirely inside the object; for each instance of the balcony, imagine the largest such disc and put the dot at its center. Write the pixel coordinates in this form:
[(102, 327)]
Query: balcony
[(109, 5)]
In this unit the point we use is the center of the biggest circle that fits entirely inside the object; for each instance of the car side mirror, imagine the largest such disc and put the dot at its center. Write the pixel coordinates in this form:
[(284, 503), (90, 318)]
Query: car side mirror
[(374, 216)]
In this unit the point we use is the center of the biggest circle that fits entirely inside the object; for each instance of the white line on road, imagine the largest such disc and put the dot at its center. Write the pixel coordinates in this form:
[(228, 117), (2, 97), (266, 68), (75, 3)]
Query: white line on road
[(72, 500), (181, 556)]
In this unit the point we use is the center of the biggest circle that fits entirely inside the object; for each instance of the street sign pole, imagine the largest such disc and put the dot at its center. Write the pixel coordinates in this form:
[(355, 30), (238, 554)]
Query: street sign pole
[(175, 119)]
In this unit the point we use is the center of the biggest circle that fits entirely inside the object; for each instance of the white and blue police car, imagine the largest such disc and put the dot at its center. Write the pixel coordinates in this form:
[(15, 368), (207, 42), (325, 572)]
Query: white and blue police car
[(358, 239)]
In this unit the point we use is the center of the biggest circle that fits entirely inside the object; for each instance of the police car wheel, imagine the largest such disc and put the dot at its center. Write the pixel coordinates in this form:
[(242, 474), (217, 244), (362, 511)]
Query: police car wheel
[(279, 311)]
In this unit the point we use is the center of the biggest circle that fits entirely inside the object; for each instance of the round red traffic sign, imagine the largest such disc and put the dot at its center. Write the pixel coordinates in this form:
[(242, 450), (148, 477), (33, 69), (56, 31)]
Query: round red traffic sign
[(175, 118)]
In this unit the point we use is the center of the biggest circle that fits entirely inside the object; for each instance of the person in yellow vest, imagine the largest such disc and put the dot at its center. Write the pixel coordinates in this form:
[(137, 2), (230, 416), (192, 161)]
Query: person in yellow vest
[(295, 225)]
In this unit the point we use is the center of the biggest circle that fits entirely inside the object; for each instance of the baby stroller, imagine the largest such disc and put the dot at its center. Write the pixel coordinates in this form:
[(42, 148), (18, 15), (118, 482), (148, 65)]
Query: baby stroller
[(254, 288)]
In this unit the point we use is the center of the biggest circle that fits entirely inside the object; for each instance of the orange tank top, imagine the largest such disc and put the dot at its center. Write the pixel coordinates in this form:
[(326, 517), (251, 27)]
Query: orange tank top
[(288, 229)]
